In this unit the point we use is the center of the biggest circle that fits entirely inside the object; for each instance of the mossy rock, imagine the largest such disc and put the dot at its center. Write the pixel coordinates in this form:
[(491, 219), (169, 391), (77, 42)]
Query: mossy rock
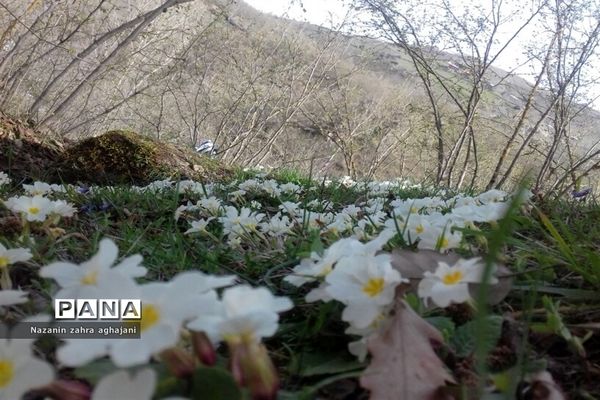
[(124, 157), (26, 154)]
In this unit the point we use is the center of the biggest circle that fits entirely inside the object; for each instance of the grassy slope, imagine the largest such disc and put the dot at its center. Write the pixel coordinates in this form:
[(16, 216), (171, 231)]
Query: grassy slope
[(557, 258)]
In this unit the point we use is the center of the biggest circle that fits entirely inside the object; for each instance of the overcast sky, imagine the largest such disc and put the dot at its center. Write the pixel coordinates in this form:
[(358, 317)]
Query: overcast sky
[(318, 12), (330, 13)]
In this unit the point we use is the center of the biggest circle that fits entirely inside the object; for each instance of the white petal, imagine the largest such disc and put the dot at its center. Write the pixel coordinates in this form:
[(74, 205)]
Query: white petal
[(31, 374), (120, 385), (131, 267), (10, 297), (64, 273), (78, 352), (443, 295)]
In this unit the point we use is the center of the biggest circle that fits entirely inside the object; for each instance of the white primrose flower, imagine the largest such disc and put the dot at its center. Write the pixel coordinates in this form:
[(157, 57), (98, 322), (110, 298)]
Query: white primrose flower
[(439, 238), (165, 307), (42, 188), (210, 204), (319, 266), (4, 179), (375, 205), (450, 284), (244, 313), (491, 196), (19, 370), (250, 185), (199, 226), (62, 208), (460, 201), (190, 187), (417, 226), (34, 208), (365, 284), (402, 208), (341, 223), (290, 208), (271, 187), (359, 347), (121, 385), (157, 186), (12, 297), (352, 211), (97, 277), (316, 266), (494, 211), (184, 208), (277, 226), (237, 194), (11, 256), (238, 223), (289, 188)]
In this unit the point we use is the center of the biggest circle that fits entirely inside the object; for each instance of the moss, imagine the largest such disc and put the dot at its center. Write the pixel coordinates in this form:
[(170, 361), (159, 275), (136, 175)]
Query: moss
[(124, 157)]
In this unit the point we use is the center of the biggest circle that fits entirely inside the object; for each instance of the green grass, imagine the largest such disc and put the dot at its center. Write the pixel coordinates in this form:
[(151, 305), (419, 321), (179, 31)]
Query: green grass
[(551, 248)]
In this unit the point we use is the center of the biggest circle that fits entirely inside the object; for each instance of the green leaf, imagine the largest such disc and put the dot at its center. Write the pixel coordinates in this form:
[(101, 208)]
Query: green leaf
[(214, 384), (327, 364), (444, 325), (562, 244), (465, 337), (95, 371)]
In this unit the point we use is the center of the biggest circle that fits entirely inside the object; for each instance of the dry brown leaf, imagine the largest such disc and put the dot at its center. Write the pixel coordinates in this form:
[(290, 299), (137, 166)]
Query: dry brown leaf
[(412, 265), (543, 387), (404, 365)]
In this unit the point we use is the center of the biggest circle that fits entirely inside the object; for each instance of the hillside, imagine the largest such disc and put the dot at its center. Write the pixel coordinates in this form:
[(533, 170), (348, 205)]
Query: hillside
[(280, 93)]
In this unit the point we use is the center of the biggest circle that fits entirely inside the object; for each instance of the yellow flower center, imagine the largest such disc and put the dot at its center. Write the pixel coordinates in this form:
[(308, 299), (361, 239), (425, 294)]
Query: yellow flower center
[(373, 287), (33, 210), (6, 373), (150, 316), (442, 242), (325, 271), (420, 228), (4, 261), (452, 278), (90, 279)]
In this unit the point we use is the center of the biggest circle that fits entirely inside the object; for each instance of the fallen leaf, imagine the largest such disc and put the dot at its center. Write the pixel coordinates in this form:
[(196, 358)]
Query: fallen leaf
[(412, 265), (404, 365), (543, 387)]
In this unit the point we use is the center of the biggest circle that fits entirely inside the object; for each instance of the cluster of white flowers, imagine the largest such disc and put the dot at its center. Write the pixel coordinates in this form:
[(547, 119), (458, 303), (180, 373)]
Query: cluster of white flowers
[(352, 273), (432, 223), (354, 269), (190, 297), (4, 179), (242, 314), (42, 188), (39, 208)]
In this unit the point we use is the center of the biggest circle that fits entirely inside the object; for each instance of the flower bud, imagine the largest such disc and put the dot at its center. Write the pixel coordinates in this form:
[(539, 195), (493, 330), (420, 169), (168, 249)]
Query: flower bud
[(65, 390), (203, 348), (180, 363), (252, 367)]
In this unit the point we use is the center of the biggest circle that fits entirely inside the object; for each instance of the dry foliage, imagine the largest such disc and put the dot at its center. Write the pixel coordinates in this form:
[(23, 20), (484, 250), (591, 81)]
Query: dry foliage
[(404, 364)]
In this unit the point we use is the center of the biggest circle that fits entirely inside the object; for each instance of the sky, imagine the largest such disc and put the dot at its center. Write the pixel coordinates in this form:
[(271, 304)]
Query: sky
[(318, 12), (330, 13)]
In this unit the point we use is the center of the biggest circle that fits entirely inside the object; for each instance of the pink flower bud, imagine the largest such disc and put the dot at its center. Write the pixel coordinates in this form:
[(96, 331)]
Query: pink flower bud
[(203, 348), (180, 363), (252, 367)]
